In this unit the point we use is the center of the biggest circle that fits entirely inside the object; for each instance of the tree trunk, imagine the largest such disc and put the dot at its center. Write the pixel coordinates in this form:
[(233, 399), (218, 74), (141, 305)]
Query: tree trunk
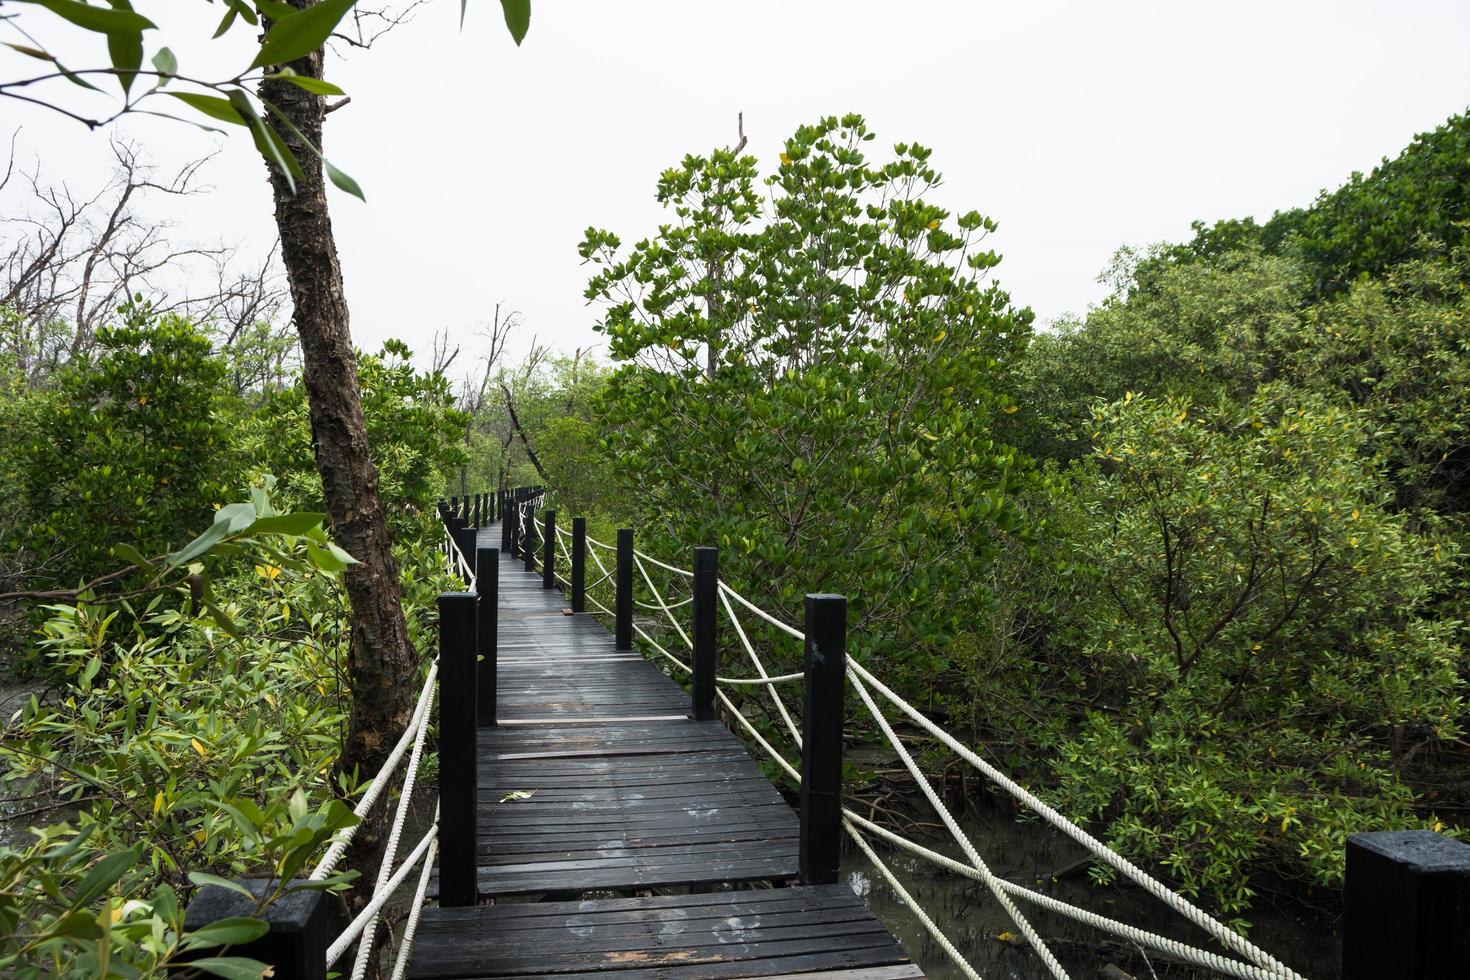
[(382, 664)]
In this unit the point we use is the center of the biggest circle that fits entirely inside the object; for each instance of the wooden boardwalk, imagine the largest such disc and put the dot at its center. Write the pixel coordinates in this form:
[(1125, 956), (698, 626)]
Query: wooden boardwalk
[(596, 780)]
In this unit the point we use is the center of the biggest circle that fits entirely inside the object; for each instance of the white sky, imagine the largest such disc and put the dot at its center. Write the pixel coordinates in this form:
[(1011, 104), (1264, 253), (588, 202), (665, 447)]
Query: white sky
[(1079, 127)]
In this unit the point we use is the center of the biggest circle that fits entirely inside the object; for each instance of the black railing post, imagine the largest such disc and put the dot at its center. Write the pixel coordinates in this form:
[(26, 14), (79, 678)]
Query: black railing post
[(504, 525), (513, 524), (1406, 906), (479, 510), (301, 926), (464, 539), (457, 765), (528, 551), (706, 586), (821, 739), (487, 633), (623, 599), (548, 555), (454, 505), (579, 564)]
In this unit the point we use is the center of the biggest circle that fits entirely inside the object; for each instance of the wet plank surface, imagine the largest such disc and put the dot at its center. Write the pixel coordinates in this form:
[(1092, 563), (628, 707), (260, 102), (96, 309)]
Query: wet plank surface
[(597, 779), (815, 931)]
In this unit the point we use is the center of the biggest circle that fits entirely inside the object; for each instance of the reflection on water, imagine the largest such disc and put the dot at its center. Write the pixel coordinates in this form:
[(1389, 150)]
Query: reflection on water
[(1028, 853)]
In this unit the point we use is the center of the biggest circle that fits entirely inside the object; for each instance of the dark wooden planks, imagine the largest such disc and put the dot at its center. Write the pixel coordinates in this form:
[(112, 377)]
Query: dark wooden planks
[(821, 931), (624, 790), (626, 804)]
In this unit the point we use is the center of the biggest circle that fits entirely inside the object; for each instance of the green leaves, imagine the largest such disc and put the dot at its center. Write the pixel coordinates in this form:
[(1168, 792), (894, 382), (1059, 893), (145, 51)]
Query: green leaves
[(165, 62), (120, 19), (125, 48), (301, 33), (104, 874), (213, 106), (299, 523), (517, 17), (316, 86), (202, 878), (232, 967), (811, 376), (229, 931)]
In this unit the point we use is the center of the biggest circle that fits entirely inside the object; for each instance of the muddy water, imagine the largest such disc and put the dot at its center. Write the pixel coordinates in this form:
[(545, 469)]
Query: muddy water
[(1029, 853), (15, 814)]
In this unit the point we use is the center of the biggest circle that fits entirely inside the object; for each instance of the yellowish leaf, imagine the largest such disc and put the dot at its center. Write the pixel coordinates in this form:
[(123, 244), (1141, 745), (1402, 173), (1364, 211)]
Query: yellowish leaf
[(158, 802), (785, 158), (934, 224), (198, 747)]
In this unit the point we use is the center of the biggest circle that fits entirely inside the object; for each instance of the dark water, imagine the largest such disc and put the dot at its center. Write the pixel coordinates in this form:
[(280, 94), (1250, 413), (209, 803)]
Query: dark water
[(1029, 853)]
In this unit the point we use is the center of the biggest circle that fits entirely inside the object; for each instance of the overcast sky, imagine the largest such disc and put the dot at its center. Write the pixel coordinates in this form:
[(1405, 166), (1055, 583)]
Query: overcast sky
[(1079, 127)]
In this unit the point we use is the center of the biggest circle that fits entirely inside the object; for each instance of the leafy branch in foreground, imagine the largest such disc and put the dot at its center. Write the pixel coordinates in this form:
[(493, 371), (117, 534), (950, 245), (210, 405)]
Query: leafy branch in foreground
[(188, 747), (291, 30)]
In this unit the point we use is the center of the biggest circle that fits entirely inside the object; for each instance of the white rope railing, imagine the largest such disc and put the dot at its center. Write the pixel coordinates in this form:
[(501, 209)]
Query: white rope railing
[(1221, 932), (790, 630), (459, 563), (411, 928), (375, 790), (918, 910), (1262, 966), (760, 681), (672, 605), (760, 668), (1027, 930), (1162, 944), (658, 597), (380, 898), (390, 850), (668, 568)]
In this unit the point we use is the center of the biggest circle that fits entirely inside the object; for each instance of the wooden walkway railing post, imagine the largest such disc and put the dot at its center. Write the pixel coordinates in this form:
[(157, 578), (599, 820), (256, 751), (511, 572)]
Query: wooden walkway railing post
[(548, 555), (528, 547), (1406, 907), (301, 926), (706, 594), (465, 536), (457, 749), (579, 564), (623, 598), (487, 629), (504, 523), (513, 522), (821, 739)]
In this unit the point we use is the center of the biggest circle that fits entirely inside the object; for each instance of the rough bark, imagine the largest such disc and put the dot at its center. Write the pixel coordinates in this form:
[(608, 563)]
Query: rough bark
[(382, 664)]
